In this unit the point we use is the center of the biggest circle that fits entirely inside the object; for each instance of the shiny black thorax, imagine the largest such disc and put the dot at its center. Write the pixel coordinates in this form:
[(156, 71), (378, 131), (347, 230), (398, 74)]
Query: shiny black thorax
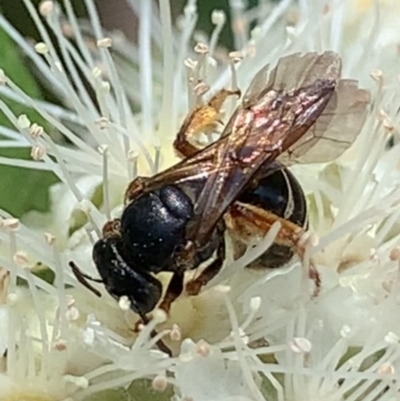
[(153, 230), (153, 226)]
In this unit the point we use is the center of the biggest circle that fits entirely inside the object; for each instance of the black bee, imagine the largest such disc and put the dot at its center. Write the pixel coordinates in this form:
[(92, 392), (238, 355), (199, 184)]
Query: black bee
[(300, 112)]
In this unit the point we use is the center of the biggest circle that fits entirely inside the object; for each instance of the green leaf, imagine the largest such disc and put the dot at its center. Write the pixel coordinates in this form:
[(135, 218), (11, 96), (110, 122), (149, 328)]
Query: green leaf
[(142, 390), (139, 390), (268, 390), (118, 394), (21, 189)]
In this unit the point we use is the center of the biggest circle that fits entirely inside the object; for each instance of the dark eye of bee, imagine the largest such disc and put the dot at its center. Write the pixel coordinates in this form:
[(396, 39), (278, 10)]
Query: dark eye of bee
[(120, 278)]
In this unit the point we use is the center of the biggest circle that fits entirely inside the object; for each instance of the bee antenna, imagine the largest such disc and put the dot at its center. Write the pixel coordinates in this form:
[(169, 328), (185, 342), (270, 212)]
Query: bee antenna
[(83, 278)]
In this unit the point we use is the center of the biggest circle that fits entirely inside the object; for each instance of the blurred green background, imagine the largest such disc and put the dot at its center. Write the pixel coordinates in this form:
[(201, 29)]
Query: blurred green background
[(22, 190)]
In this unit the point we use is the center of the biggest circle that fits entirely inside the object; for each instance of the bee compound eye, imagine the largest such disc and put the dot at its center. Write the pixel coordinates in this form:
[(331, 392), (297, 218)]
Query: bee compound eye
[(122, 278)]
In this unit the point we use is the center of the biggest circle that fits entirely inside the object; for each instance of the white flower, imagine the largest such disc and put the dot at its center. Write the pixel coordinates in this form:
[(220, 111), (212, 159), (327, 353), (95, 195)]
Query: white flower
[(249, 335)]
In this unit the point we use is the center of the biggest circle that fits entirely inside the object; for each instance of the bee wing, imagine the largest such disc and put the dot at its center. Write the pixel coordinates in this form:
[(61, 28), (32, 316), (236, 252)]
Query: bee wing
[(254, 144), (331, 111), (257, 86), (293, 72), (341, 121), (335, 129), (193, 169)]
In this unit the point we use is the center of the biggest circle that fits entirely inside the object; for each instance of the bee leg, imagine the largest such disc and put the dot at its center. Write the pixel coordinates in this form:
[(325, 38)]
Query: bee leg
[(246, 222), (138, 327), (174, 289), (194, 286), (112, 229), (134, 187), (202, 119), (160, 344)]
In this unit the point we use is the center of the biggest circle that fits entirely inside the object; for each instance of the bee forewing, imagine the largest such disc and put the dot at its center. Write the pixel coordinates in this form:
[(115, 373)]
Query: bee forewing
[(335, 129), (294, 72), (283, 115), (257, 85)]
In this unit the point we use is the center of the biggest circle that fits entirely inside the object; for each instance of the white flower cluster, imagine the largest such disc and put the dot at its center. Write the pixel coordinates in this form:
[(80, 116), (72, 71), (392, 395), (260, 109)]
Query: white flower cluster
[(249, 335)]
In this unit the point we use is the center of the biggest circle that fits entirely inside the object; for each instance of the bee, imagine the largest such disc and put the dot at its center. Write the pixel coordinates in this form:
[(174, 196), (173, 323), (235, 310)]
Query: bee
[(299, 112)]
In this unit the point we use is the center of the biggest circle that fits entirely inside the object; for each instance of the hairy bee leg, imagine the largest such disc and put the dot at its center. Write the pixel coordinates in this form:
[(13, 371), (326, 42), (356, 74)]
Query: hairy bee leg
[(194, 286), (204, 118), (182, 144), (219, 98), (83, 279), (174, 289), (245, 221)]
